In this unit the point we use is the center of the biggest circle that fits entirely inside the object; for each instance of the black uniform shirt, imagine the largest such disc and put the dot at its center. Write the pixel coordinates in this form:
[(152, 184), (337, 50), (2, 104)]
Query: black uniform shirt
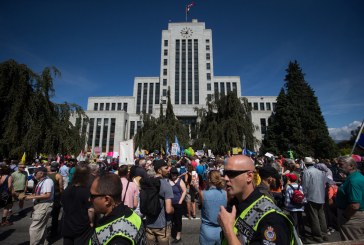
[(272, 229)]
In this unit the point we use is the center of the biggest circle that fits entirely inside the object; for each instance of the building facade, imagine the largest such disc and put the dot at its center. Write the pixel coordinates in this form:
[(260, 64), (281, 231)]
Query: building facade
[(187, 71)]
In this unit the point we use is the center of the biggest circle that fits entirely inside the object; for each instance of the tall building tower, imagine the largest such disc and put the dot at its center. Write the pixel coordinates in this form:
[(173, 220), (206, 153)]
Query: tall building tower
[(186, 69)]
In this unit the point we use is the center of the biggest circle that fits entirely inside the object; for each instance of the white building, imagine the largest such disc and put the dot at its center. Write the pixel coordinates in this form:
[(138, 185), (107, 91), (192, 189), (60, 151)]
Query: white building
[(187, 69)]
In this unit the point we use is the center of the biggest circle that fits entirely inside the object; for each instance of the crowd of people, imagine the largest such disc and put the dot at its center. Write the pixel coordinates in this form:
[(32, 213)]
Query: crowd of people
[(243, 199)]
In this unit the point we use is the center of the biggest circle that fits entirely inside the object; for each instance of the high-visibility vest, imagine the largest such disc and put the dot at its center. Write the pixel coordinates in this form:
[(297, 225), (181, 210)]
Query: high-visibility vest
[(130, 228), (246, 225)]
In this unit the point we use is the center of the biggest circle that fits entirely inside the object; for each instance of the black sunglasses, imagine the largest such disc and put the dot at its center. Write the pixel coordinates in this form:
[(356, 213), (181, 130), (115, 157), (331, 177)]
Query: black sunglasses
[(234, 173), (93, 196)]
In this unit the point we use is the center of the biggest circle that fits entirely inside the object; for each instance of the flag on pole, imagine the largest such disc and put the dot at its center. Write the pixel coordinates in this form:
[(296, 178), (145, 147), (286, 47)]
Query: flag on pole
[(167, 146), (189, 6), (178, 146), (23, 158), (359, 139)]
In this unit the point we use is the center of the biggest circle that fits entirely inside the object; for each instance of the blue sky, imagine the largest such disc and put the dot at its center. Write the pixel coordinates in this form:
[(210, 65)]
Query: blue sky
[(100, 46)]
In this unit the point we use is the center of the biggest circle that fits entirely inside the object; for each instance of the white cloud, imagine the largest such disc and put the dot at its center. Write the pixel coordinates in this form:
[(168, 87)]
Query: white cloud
[(343, 133)]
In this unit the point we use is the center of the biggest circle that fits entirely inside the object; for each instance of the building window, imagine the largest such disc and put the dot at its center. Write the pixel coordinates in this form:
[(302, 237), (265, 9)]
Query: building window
[(207, 47), (165, 43), (196, 73), (164, 82), (216, 90), (209, 87), (165, 72), (208, 66), (263, 125), (132, 129), (207, 41), (150, 103), (268, 106), (113, 106), (107, 107), (274, 106), (222, 88), (112, 134), (139, 98), (262, 106), (207, 56), (101, 106), (164, 102), (145, 95), (208, 76), (177, 73), (157, 93), (91, 132), (165, 52), (183, 73), (189, 71), (235, 87), (104, 134), (228, 87), (209, 97), (125, 108), (255, 106), (119, 106), (98, 132), (164, 92), (96, 106), (139, 125), (165, 62)]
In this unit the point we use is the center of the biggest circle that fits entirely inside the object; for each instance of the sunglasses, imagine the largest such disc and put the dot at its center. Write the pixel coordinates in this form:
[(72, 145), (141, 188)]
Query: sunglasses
[(234, 173)]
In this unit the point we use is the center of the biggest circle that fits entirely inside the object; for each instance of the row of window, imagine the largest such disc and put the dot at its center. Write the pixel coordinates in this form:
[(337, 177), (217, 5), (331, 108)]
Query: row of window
[(99, 130), (262, 106), (143, 106), (114, 106), (132, 128)]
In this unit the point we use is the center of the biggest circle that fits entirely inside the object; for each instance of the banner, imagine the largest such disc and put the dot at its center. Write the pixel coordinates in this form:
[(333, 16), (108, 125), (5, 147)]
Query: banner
[(174, 150), (126, 154)]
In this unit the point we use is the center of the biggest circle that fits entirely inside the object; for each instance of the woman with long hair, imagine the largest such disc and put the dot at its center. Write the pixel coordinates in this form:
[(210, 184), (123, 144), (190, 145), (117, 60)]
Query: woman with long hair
[(78, 213), (211, 200)]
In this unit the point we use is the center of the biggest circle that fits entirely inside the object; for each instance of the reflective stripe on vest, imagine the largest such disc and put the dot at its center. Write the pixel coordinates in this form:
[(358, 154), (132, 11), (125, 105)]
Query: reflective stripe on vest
[(246, 225), (130, 228)]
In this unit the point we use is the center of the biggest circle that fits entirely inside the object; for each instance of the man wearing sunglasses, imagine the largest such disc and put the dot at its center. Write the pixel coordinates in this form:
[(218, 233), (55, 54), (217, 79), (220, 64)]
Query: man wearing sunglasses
[(120, 224), (255, 219)]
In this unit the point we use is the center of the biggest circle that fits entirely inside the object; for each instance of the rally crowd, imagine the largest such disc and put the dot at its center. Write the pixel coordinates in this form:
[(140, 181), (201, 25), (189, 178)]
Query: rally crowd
[(243, 200)]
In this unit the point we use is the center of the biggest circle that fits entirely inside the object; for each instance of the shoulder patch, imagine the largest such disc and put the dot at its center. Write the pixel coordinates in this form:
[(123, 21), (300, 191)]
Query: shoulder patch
[(269, 234)]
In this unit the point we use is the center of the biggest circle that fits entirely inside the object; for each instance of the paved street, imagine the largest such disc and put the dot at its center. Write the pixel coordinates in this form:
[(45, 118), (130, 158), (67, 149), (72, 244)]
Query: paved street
[(18, 232)]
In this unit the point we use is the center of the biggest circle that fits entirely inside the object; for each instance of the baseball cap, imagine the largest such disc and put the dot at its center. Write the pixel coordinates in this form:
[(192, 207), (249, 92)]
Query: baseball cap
[(291, 177)]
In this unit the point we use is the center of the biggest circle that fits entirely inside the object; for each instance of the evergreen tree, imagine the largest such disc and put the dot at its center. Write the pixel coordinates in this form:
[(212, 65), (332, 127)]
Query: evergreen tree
[(30, 121), (225, 124), (153, 134), (298, 123)]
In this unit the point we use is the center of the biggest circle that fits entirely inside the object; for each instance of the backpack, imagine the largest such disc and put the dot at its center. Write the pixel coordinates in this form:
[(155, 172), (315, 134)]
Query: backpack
[(4, 193), (297, 196), (149, 196)]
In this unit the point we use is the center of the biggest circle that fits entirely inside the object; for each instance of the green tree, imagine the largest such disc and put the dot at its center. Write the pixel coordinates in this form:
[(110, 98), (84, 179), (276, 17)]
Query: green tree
[(30, 121), (154, 132), (298, 123), (225, 124)]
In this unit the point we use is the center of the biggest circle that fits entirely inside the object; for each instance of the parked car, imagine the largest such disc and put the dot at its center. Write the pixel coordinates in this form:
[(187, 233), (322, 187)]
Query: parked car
[(30, 172)]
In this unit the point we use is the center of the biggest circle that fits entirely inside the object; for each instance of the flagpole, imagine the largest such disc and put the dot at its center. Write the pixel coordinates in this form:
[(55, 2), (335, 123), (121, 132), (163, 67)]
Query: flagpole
[(357, 137)]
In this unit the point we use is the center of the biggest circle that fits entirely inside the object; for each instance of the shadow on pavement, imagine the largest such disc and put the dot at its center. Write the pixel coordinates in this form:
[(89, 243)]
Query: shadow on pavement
[(4, 235)]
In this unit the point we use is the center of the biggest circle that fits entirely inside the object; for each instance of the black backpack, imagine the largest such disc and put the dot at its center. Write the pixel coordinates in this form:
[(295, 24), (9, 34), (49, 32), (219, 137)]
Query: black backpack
[(149, 196)]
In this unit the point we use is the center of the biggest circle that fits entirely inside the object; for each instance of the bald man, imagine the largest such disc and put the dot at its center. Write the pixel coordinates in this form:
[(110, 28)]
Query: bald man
[(254, 219)]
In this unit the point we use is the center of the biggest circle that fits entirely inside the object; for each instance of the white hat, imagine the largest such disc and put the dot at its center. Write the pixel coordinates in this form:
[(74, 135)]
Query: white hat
[(308, 160)]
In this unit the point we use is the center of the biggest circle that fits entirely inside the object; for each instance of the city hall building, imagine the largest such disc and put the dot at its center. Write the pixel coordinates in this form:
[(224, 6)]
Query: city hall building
[(187, 69)]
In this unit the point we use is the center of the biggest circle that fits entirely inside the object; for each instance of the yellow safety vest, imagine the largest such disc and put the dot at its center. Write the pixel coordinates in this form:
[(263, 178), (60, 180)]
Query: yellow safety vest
[(246, 225), (130, 228)]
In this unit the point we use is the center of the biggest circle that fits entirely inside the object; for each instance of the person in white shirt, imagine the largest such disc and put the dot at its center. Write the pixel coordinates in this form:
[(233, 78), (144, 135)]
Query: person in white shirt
[(43, 203)]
